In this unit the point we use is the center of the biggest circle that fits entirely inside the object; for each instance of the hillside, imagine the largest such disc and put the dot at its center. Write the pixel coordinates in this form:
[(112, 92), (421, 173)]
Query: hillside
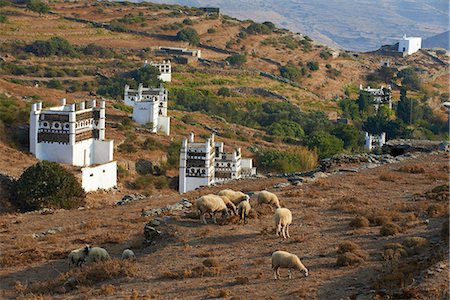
[(358, 26), (440, 40)]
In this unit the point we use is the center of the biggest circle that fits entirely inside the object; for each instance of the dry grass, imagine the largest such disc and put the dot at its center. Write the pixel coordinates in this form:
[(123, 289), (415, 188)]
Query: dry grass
[(389, 177), (437, 210), (241, 280), (348, 204), (413, 169), (389, 229), (393, 251), (211, 262), (196, 272), (88, 276), (350, 254), (359, 222), (415, 244)]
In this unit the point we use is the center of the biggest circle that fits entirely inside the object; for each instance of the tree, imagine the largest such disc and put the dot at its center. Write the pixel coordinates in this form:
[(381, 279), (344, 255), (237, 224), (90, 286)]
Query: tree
[(189, 35), (326, 144), (408, 110), (224, 91), (290, 72), (47, 184), (376, 124), (365, 102), (313, 65), (237, 60), (410, 78), (38, 6), (349, 134)]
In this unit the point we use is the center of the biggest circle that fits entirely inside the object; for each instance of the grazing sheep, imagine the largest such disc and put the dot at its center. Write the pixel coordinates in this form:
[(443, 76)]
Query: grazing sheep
[(211, 204), (283, 259), (229, 204), (234, 196), (78, 257), (265, 197), (128, 254), (282, 218), (243, 210), (96, 254)]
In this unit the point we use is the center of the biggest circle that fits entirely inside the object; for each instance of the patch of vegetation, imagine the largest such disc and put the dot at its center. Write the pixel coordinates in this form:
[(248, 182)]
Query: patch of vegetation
[(189, 35), (326, 144), (38, 6), (312, 65), (389, 229), (172, 26), (132, 19), (212, 30), (359, 222), (113, 87), (293, 160), (290, 72), (47, 184), (237, 60), (350, 254)]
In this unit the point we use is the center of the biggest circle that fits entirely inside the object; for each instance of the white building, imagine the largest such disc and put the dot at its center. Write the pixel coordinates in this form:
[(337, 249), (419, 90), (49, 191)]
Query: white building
[(206, 163), (381, 96), (149, 107), (373, 141), (74, 134), (165, 69), (409, 45)]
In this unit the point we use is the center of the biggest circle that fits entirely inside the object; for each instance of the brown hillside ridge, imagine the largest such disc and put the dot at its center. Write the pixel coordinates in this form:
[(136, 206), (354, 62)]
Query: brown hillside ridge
[(193, 261)]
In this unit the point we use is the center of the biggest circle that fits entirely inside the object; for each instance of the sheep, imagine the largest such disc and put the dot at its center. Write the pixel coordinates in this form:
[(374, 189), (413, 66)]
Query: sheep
[(211, 204), (234, 196), (128, 254), (96, 254), (78, 257), (283, 259), (243, 210), (282, 218), (265, 197), (229, 204)]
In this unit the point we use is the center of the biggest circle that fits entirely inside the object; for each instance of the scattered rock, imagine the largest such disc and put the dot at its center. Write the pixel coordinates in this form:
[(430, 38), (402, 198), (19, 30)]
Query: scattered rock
[(130, 198), (150, 234), (281, 185), (181, 205), (52, 230)]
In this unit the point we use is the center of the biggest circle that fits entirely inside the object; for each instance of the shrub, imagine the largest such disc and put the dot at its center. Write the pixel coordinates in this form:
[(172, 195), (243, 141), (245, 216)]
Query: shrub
[(312, 65), (348, 259), (257, 28), (359, 222), (389, 229), (211, 262), (3, 18), (290, 72), (189, 35), (4, 3), (37, 6), (415, 242), (393, 251), (237, 60), (187, 21), (349, 254), (224, 91), (54, 46), (47, 184), (324, 54), (286, 128), (436, 210), (212, 30), (54, 84), (326, 144), (127, 147)]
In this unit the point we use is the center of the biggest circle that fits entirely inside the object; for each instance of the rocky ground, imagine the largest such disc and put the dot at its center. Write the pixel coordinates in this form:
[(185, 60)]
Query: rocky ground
[(182, 258)]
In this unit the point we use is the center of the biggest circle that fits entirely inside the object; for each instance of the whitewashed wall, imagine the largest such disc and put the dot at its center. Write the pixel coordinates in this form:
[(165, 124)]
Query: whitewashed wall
[(99, 177)]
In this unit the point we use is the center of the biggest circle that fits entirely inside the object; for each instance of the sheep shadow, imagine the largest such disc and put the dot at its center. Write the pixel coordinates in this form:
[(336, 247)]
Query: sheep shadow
[(45, 271)]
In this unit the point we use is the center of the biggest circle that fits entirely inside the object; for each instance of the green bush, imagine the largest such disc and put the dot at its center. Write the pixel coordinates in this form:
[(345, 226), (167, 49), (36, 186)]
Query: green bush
[(54, 46), (324, 54), (290, 72), (312, 65), (286, 128), (257, 28), (3, 18), (187, 21), (4, 3), (237, 60), (54, 84), (350, 135), (212, 30), (224, 91), (47, 184), (189, 35), (326, 144), (38, 6)]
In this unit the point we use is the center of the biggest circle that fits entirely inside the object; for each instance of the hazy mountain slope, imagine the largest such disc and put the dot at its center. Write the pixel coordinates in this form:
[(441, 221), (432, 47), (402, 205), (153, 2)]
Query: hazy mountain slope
[(354, 25), (437, 41)]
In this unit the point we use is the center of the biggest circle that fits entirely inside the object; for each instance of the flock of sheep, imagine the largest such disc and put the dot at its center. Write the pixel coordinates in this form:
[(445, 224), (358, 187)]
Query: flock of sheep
[(224, 202), (239, 203)]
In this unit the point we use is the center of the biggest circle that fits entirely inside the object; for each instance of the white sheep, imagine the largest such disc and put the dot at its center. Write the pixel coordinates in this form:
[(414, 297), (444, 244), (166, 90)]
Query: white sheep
[(229, 204), (235, 196), (78, 257), (243, 210), (128, 254), (283, 259), (211, 204), (265, 197), (96, 254), (282, 218)]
